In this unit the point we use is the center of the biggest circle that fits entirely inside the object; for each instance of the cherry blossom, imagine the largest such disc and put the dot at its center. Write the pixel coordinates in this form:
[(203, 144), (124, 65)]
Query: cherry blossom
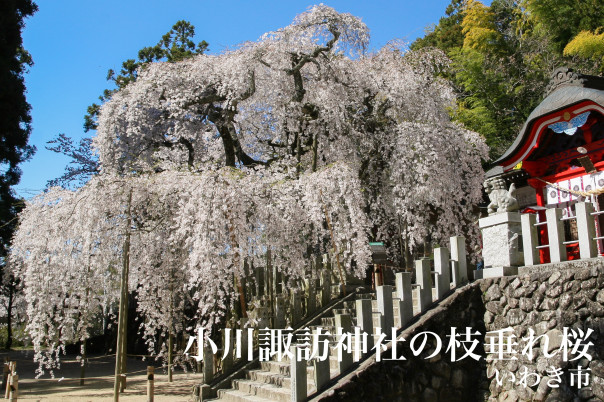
[(208, 163)]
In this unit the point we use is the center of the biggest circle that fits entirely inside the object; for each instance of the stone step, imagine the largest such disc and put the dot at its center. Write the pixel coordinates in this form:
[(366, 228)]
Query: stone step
[(268, 377), (272, 381), (275, 367), (352, 312), (282, 368), (263, 390), (233, 395), (328, 321), (329, 328), (282, 381)]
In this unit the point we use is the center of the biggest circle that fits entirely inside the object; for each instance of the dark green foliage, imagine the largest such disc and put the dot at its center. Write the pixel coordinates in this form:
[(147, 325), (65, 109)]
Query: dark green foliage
[(15, 127), (14, 110), (447, 34), (15, 120), (175, 45), (564, 19), (500, 79)]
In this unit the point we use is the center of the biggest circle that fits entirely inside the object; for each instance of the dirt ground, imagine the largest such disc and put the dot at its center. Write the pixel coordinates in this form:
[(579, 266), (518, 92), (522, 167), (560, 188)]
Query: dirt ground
[(99, 380)]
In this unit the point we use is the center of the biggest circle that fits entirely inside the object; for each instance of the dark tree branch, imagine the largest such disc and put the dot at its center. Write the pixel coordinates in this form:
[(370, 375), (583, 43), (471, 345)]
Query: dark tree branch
[(182, 141)]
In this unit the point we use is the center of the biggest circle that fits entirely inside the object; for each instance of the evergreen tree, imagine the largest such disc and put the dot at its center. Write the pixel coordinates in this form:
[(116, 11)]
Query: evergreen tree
[(562, 20), (176, 45), (15, 126), (502, 57)]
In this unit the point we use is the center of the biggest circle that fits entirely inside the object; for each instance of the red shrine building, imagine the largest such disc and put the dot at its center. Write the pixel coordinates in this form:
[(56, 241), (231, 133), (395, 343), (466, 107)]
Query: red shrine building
[(556, 161)]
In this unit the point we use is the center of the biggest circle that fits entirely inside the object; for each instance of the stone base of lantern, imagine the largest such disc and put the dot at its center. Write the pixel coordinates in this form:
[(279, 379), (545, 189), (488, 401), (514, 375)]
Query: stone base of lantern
[(502, 242)]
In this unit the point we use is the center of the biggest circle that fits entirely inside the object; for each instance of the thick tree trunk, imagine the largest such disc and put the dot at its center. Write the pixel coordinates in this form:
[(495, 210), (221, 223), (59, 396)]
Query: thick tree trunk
[(227, 143)]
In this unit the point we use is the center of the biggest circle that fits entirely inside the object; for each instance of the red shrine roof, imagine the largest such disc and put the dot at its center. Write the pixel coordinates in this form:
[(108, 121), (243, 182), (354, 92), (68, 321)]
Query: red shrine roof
[(565, 90)]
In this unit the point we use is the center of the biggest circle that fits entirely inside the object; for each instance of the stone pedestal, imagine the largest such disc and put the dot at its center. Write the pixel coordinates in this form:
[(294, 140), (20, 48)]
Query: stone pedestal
[(495, 272), (501, 244)]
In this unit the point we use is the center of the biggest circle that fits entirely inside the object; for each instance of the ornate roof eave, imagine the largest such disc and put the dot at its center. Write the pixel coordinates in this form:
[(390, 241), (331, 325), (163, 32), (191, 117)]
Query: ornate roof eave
[(566, 88)]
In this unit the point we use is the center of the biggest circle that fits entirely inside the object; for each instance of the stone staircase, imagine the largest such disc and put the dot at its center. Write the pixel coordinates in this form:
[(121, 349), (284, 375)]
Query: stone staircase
[(387, 307)]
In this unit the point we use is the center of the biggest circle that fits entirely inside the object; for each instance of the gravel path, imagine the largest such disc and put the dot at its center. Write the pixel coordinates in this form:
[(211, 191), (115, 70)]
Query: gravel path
[(99, 382)]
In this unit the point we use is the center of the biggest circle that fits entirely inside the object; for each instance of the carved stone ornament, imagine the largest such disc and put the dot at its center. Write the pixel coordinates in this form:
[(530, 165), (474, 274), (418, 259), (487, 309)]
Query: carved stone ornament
[(564, 76), (502, 200)]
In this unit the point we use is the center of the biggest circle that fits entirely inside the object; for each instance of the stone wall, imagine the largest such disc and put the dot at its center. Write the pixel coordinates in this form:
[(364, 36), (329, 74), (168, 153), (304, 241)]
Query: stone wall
[(547, 300), (417, 378)]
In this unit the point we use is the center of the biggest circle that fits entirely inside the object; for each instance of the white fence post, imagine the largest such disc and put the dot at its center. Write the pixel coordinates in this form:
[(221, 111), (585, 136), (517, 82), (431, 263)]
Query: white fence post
[(298, 376), (365, 319), (586, 229), (529, 239), (555, 235), (423, 277), (442, 267), (458, 253), (344, 329), (405, 296), (321, 373), (384, 302)]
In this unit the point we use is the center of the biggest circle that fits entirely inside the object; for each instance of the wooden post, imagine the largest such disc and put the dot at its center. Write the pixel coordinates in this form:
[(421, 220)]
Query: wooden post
[(7, 389), (83, 366), (170, 355), (12, 367), (150, 383), (124, 355), (120, 361), (5, 373), (14, 387)]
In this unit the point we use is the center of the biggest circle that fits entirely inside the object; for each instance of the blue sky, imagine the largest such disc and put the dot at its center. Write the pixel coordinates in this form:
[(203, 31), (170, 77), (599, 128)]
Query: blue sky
[(75, 42)]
